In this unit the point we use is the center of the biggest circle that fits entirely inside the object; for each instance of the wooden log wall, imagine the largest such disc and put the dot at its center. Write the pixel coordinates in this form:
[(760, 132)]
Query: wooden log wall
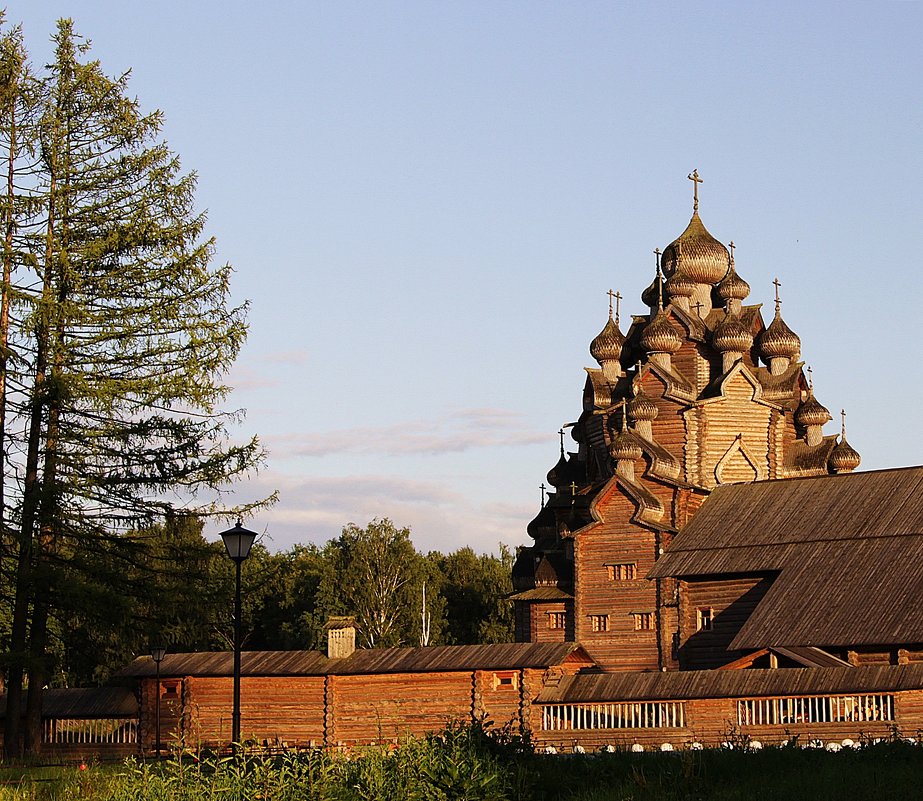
[(731, 601)]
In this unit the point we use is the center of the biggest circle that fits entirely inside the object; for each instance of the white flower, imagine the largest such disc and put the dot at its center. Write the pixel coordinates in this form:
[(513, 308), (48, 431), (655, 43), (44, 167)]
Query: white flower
[(637, 748)]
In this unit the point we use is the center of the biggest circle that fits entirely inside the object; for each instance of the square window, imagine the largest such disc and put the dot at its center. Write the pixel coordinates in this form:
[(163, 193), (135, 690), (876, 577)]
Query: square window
[(599, 622)]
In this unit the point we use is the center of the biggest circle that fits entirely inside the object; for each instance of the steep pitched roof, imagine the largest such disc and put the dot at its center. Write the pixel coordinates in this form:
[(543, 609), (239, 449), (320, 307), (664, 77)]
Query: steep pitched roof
[(847, 548)]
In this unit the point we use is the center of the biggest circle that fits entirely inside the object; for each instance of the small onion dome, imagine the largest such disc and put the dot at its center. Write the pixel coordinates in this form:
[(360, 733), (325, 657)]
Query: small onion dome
[(641, 407), (702, 257), (733, 287), (557, 476), (660, 336), (779, 339), (844, 457), (625, 446), (812, 413), (608, 344), (651, 296), (680, 285), (732, 335)]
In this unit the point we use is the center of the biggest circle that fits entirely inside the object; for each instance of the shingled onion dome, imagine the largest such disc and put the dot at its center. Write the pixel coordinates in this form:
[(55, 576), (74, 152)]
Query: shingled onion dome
[(812, 413), (732, 336), (607, 346), (778, 340), (660, 335), (697, 253), (559, 474), (844, 458), (625, 446), (641, 407), (651, 296), (733, 287), (680, 287)]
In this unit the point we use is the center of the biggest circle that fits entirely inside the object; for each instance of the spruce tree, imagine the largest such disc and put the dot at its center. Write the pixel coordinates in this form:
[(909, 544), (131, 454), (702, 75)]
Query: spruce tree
[(124, 334)]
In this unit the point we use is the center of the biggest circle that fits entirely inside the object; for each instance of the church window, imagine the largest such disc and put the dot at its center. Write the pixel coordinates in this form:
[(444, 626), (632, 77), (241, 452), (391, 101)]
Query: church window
[(644, 621), (557, 620), (622, 572), (704, 620), (599, 622)]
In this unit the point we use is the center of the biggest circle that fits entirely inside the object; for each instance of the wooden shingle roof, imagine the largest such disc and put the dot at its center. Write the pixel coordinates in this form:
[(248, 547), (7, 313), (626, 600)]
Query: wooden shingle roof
[(85, 703), (848, 551), (438, 658), (687, 684)]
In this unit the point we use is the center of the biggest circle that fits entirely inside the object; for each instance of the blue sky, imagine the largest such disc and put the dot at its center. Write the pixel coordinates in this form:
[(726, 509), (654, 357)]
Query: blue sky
[(426, 203)]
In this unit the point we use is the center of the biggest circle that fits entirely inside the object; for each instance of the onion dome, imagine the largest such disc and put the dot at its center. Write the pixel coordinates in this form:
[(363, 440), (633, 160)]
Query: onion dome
[(641, 407), (812, 413), (651, 296), (558, 474), (732, 335), (844, 457), (608, 344), (660, 336), (733, 287), (625, 446), (697, 253), (779, 340), (680, 285)]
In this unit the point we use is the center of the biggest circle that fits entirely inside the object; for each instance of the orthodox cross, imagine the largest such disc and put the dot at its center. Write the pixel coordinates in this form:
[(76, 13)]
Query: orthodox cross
[(810, 378), (542, 487), (694, 177), (624, 405), (561, 434), (843, 424), (657, 254), (617, 298), (698, 308), (777, 284), (731, 246), (573, 489), (659, 280)]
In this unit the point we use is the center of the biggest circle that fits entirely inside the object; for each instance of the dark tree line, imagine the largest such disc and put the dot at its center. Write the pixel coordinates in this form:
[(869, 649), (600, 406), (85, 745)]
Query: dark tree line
[(177, 591)]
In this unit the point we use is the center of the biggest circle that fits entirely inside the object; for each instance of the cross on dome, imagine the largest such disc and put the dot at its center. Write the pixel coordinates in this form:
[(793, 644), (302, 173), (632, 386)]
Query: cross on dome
[(694, 177)]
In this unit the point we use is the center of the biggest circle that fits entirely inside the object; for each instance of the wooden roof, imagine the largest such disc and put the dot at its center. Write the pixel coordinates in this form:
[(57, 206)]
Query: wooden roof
[(848, 550), (439, 658), (688, 684), (86, 702)]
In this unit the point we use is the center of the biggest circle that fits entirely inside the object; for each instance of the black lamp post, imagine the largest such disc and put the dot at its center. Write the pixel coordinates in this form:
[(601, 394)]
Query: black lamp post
[(157, 654), (238, 542)]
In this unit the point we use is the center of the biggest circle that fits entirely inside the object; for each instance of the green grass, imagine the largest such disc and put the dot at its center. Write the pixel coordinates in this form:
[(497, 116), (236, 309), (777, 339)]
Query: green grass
[(465, 764)]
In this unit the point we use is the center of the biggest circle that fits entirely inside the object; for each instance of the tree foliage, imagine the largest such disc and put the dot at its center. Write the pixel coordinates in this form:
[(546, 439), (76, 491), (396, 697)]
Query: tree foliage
[(118, 332)]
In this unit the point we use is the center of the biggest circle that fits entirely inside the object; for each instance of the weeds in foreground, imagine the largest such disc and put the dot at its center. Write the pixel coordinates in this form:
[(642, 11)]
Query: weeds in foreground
[(471, 764)]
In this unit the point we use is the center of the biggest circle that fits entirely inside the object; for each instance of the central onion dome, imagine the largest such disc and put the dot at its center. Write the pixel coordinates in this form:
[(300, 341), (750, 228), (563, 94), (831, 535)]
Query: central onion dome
[(779, 340), (641, 407), (652, 295), (608, 344), (697, 253), (660, 335), (732, 335), (812, 413)]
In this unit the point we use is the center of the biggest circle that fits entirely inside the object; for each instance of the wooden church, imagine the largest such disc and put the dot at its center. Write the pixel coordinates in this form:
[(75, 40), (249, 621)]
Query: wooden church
[(705, 518)]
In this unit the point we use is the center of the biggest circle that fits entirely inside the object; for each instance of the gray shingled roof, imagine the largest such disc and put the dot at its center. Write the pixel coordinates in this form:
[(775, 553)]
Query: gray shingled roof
[(848, 550)]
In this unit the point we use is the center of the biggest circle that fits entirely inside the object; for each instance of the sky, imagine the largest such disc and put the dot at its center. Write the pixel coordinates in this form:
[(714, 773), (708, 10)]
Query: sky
[(426, 202)]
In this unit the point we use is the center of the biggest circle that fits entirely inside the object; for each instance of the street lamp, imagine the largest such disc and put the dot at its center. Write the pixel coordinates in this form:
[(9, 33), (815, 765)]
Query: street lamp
[(238, 542), (157, 654)]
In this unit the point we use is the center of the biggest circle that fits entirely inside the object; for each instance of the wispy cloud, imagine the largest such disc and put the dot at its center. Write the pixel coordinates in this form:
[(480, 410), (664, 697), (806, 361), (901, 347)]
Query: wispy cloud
[(457, 431)]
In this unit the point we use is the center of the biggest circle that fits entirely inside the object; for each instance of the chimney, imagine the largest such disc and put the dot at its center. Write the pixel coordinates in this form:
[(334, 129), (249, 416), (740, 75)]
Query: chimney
[(341, 637)]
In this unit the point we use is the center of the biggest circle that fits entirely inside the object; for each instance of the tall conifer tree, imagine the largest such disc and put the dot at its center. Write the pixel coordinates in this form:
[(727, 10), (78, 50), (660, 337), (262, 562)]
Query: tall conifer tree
[(126, 333)]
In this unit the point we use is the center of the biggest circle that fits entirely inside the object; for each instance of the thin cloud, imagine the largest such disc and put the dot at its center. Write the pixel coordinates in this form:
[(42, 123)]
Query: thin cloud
[(464, 430)]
